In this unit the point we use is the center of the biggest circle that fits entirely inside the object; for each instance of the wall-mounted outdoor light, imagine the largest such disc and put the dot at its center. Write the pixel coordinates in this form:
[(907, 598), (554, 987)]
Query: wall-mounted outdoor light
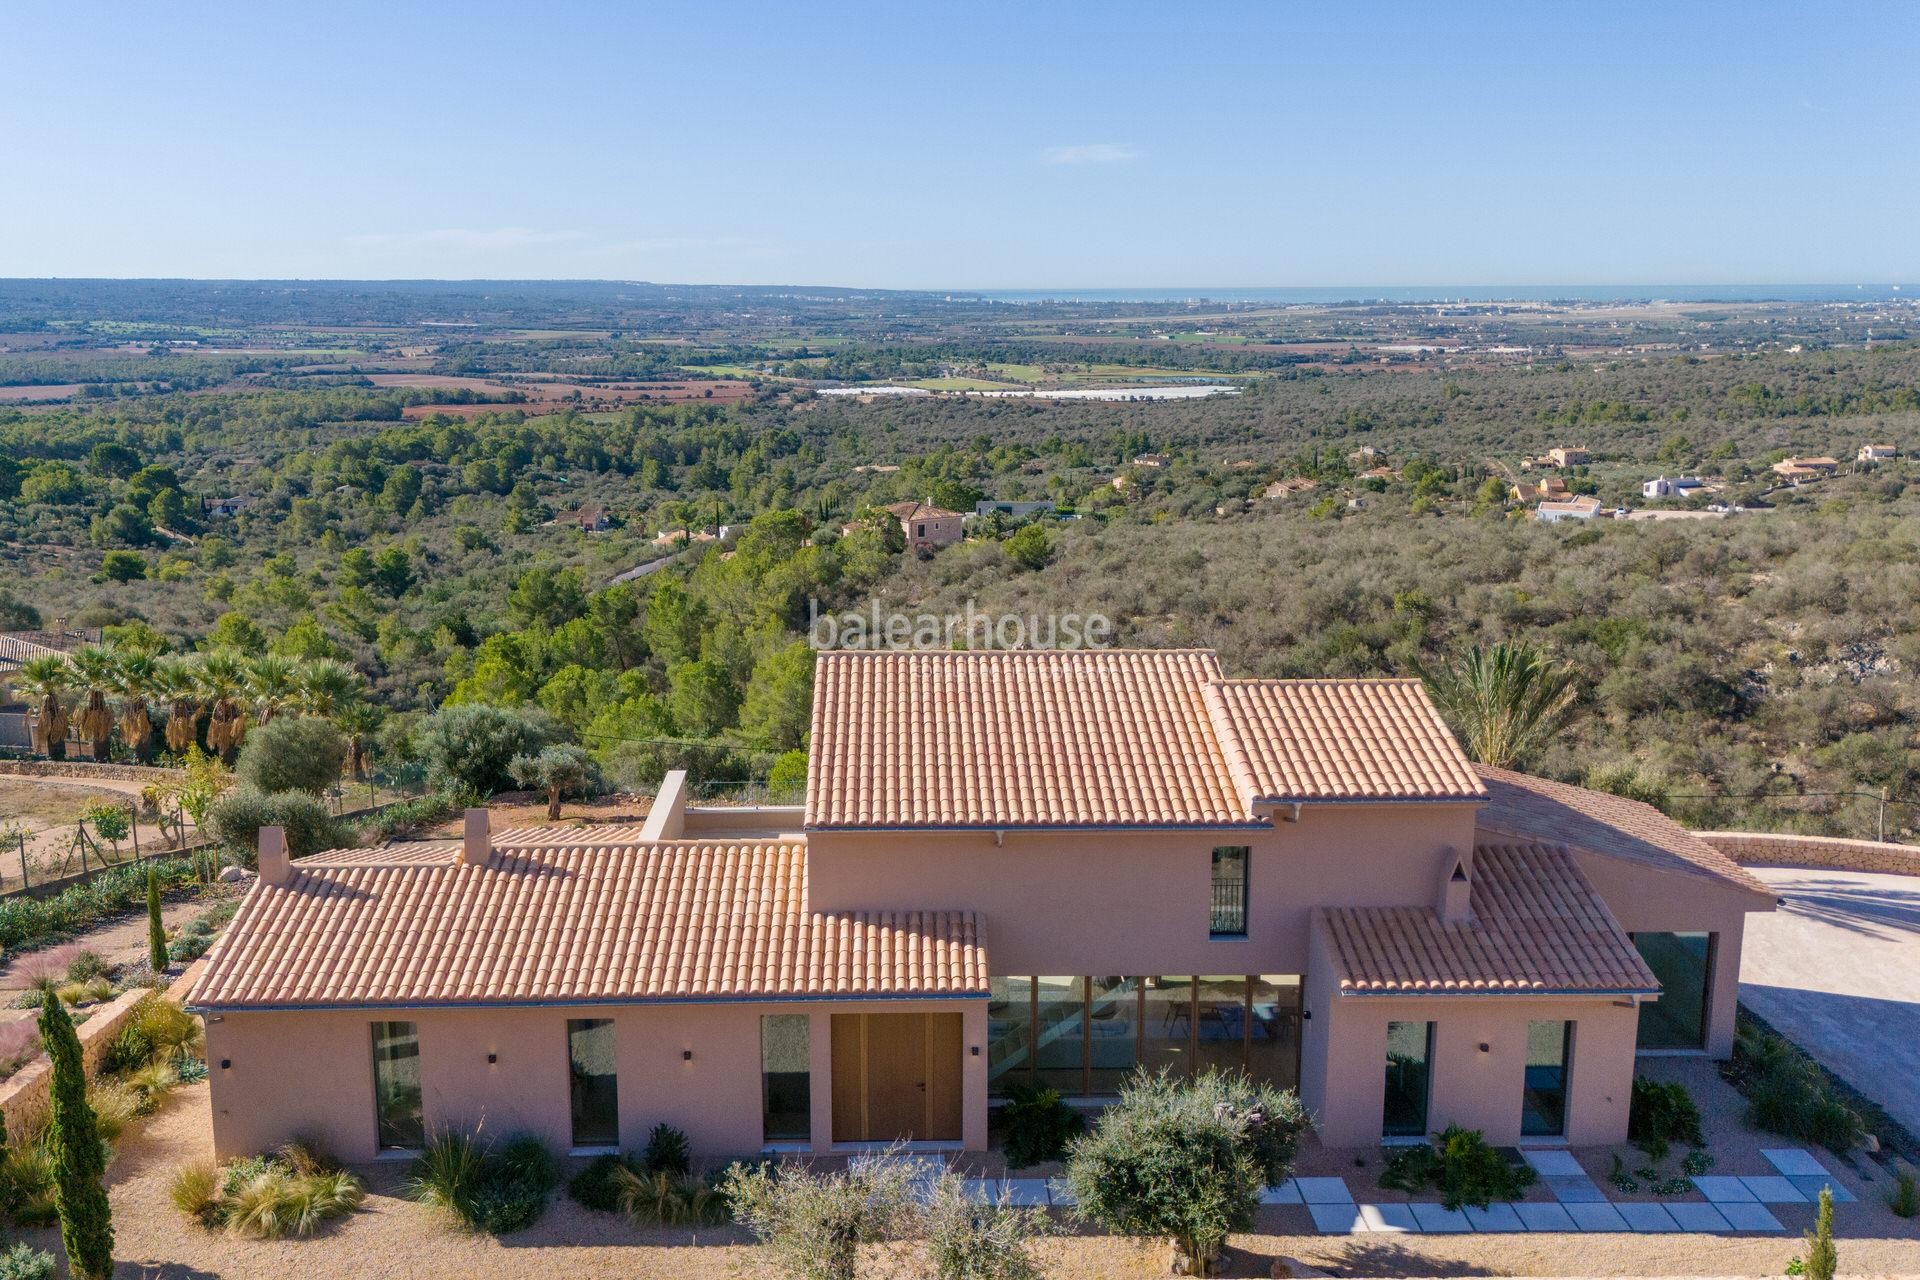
[(1485, 1047), (226, 1063), (492, 1058), (686, 1055)]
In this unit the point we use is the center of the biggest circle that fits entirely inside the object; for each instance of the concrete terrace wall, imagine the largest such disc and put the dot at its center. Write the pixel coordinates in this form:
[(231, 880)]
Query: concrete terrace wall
[(1765, 849)]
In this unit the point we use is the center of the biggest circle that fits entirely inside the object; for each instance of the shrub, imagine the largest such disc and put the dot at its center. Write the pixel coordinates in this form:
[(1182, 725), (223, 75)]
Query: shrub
[(408, 816), (1465, 1169), (1039, 1125), (26, 1185), (24, 1262), (1185, 1162), (1905, 1200), (559, 770), (667, 1151), (85, 966), (468, 747), (292, 753), (967, 1240), (31, 922), (156, 1029), (595, 1186), (238, 815), (194, 1190), (1660, 1115), (116, 1105), (1789, 1095), (668, 1199), (266, 1197), (496, 1190), (811, 1225)]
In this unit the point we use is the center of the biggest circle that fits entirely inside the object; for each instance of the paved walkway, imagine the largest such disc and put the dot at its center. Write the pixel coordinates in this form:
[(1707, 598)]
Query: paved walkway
[(1837, 971)]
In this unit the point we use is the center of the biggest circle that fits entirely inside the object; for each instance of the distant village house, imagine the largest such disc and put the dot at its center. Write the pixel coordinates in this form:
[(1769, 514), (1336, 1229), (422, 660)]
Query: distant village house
[(928, 528), (1581, 508), (1680, 487), (1877, 453)]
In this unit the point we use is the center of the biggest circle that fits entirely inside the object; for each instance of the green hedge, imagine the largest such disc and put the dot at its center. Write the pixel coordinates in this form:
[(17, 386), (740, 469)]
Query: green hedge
[(27, 922)]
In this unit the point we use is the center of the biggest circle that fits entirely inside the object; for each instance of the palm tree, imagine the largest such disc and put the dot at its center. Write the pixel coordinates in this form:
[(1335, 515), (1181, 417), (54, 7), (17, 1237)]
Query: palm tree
[(222, 681), (327, 687), (357, 723), (1505, 702), (176, 680), (93, 675), (135, 680), (273, 686), (44, 681)]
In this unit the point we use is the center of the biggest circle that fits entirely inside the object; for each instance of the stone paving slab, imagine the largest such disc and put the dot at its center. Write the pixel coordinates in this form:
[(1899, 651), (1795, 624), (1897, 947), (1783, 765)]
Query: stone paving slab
[(1438, 1218), (1749, 1217), (1553, 1163), (1028, 1192), (1795, 1161), (1389, 1217), (1597, 1217), (1580, 1190), (1810, 1187), (1724, 1190), (1061, 1194), (1287, 1192), (1545, 1217), (1698, 1217), (1774, 1189), (1647, 1217), (1337, 1219), (1495, 1217), (1324, 1190)]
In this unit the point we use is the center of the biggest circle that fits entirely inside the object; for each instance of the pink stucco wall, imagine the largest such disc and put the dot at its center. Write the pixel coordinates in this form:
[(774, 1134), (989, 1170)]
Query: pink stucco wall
[(311, 1073)]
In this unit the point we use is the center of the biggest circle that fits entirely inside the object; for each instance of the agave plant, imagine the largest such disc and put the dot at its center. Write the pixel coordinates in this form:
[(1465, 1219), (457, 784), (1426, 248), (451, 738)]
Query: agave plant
[(176, 681), (94, 671), (223, 682), (135, 681), (327, 687), (273, 686), (44, 681)]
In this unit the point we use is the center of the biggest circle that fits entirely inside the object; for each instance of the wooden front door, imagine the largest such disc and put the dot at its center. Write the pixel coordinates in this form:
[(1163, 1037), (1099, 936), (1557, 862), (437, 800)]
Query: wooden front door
[(896, 1077)]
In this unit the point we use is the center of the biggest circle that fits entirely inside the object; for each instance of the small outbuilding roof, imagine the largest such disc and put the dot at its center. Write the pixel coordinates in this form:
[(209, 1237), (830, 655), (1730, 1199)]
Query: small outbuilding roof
[(1537, 928), (607, 920)]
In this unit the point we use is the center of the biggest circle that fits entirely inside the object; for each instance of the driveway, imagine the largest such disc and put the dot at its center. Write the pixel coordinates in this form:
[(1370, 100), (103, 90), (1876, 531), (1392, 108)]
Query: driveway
[(1837, 970)]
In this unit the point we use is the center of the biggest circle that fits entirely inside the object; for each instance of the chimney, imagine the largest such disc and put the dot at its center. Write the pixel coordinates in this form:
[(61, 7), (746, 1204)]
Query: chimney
[(275, 868), (1456, 888), (478, 843), (667, 816)]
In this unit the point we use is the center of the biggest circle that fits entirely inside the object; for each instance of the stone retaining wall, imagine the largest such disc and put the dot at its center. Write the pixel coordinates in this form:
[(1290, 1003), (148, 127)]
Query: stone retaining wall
[(86, 769), (1766, 849), (23, 1095)]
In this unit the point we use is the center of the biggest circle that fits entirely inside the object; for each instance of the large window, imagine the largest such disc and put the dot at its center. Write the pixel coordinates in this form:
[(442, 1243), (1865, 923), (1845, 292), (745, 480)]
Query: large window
[(786, 1081), (1409, 1079), (595, 1083), (1229, 919), (396, 1086), (1543, 1109), (1684, 964), (1085, 1035)]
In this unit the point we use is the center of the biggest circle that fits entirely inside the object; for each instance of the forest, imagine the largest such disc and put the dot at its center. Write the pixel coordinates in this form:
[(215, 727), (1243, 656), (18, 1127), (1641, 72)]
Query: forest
[(1754, 670)]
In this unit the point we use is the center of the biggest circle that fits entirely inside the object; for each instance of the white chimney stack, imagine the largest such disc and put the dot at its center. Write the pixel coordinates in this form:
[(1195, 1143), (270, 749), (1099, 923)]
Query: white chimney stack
[(275, 867), (667, 815), (478, 844)]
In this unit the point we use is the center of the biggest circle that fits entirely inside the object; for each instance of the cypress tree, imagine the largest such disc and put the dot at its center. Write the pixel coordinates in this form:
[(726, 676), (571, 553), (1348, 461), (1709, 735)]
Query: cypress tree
[(156, 934), (1822, 1258), (79, 1157)]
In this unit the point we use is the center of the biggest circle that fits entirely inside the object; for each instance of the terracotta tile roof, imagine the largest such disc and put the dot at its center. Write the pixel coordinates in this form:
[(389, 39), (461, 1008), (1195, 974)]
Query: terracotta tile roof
[(1029, 738), (1529, 808), (1338, 740), (1538, 927), (912, 510), (17, 651), (598, 923)]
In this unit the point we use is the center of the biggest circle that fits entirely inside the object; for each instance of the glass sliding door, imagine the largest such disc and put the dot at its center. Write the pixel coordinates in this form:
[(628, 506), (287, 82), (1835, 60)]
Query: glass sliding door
[(1684, 964), (1409, 1079), (1166, 1025), (1060, 1051), (1543, 1109), (398, 1122), (1273, 1043), (786, 1079), (1113, 1032), (1220, 1022), (1009, 1034), (594, 1082)]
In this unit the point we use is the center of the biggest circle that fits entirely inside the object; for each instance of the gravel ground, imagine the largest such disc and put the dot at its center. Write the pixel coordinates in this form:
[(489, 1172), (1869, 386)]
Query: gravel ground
[(392, 1237)]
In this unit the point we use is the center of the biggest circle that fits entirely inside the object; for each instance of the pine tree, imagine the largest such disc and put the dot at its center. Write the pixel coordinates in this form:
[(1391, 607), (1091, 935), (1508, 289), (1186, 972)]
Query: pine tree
[(1821, 1257), (156, 933), (79, 1156)]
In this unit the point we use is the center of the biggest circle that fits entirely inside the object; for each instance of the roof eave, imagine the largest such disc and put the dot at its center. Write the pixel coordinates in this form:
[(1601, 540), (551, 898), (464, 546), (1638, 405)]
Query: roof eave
[(570, 1002), (1422, 993)]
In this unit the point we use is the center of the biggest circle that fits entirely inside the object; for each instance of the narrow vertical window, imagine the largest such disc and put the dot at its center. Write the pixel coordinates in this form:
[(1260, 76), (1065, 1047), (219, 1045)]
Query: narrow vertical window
[(1229, 918), (398, 1121), (1543, 1108), (1409, 1079), (1009, 1035), (786, 1082), (594, 1083)]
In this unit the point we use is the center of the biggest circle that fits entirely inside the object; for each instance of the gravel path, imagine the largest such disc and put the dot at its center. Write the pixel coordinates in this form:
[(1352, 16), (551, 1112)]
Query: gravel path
[(393, 1237)]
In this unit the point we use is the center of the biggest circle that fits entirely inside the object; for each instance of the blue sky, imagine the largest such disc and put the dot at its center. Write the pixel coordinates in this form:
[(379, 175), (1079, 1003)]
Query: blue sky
[(965, 146)]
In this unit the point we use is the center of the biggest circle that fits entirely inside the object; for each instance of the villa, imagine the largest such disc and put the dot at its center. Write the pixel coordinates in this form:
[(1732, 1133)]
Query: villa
[(928, 528), (1011, 867)]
